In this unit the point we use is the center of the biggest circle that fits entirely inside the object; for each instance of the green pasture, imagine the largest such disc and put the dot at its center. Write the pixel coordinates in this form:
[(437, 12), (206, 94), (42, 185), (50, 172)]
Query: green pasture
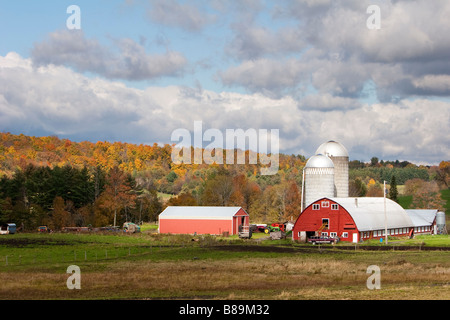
[(33, 250), (149, 265)]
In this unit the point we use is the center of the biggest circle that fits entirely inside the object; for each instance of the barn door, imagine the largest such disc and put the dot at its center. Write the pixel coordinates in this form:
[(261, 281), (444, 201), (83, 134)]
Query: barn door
[(355, 237)]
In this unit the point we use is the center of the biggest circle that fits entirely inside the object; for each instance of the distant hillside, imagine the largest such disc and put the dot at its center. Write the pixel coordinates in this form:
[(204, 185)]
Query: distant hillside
[(52, 180)]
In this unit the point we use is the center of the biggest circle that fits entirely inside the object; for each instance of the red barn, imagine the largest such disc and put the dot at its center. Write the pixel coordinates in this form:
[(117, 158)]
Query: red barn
[(352, 219), (202, 220)]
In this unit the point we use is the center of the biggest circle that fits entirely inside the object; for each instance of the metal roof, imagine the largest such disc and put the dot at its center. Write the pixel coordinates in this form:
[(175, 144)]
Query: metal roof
[(422, 217), (199, 212), (368, 213), (332, 149), (319, 161)]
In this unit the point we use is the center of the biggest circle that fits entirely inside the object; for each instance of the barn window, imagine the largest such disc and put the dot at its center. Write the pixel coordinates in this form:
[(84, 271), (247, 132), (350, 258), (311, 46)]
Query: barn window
[(334, 206), (325, 204), (316, 206), (344, 234), (325, 223), (333, 234)]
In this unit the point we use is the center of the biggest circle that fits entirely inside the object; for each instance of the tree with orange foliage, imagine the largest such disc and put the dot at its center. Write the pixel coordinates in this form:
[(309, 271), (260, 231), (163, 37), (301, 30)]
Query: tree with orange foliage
[(293, 202), (60, 217), (118, 193), (425, 194), (245, 192), (183, 199), (443, 173), (374, 189), (218, 190)]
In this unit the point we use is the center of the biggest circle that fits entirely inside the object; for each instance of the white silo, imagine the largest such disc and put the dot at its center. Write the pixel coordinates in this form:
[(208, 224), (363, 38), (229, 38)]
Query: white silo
[(440, 223), (339, 155), (318, 178)]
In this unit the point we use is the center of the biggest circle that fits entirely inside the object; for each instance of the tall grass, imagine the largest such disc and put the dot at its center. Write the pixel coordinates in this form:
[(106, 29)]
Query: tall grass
[(159, 266), (294, 277)]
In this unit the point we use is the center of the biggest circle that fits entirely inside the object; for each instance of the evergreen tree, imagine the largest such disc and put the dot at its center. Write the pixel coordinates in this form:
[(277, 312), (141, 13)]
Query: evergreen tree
[(393, 192)]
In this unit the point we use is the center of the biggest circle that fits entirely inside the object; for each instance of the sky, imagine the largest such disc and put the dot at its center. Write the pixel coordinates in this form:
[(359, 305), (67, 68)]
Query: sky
[(316, 70)]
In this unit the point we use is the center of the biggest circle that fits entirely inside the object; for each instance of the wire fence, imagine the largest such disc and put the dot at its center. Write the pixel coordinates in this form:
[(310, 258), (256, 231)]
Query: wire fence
[(95, 254), (46, 257), (89, 255)]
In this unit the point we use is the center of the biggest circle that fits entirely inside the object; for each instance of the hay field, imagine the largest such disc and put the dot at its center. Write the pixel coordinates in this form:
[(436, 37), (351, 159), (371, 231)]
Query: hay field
[(175, 267)]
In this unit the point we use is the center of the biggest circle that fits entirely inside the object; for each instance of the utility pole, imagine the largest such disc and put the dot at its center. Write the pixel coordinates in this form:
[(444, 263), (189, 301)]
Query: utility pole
[(303, 189), (385, 215)]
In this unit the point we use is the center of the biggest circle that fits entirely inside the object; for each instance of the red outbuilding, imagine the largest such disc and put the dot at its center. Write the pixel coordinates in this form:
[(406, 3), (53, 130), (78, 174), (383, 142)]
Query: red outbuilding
[(356, 219), (202, 220)]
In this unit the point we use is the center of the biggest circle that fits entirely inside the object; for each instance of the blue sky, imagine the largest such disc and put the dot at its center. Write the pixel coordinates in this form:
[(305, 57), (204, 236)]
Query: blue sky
[(140, 69)]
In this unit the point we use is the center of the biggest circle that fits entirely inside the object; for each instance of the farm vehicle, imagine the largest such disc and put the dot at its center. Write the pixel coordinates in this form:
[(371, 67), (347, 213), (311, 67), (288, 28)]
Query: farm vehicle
[(275, 227), (130, 227), (245, 232), (276, 231), (323, 240)]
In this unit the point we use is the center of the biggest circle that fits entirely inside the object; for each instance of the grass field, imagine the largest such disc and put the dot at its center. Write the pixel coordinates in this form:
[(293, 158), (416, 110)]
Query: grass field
[(154, 266)]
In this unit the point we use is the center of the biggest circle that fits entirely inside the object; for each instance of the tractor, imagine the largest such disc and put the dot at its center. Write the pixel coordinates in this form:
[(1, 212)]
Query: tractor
[(275, 227), (276, 231)]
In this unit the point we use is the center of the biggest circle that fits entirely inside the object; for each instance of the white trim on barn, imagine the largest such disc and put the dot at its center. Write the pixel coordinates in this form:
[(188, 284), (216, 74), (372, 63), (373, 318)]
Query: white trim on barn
[(193, 212), (368, 213)]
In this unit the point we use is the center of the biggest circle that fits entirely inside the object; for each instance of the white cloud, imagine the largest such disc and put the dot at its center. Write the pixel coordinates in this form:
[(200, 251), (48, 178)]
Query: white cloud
[(435, 83), (172, 13), (328, 102), (71, 48), (252, 42), (268, 76), (56, 100), (335, 53)]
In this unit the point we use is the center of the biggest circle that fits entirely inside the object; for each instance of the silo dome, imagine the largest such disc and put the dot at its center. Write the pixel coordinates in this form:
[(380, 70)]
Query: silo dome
[(332, 149), (339, 155), (319, 161), (319, 178)]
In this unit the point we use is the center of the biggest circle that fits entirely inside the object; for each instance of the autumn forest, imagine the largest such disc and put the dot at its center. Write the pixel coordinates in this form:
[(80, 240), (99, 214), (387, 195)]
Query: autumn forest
[(58, 182)]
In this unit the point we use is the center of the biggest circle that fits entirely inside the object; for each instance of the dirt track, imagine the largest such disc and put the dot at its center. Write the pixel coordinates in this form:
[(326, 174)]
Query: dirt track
[(320, 249), (20, 243)]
